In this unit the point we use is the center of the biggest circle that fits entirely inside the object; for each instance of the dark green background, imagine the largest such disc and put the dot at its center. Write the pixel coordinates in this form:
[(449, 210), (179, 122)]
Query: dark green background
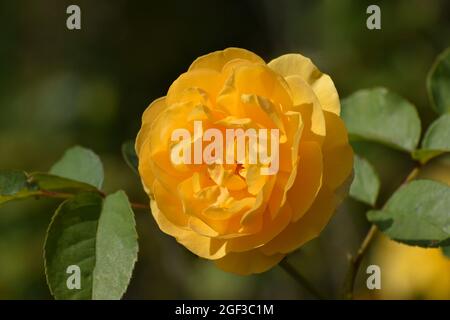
[(59, 88)]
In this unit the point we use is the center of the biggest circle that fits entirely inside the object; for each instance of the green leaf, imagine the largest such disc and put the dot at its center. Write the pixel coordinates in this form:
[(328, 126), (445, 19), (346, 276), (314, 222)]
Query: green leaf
[(417, 214), (71, 242), (100, 238), (18, 185), (382, 116), (117, 248), (14, 185), (446, 251), (80, 164), (130, 156), (79, 170), (436, 140), (438, 83), (366, 184), (49, 182)]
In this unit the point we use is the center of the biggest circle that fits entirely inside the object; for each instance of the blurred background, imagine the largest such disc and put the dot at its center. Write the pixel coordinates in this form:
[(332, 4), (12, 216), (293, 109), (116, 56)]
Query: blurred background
[(59, 88)]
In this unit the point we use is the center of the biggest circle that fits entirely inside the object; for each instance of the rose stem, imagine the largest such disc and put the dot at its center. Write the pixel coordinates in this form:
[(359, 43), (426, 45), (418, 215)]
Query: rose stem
[(355, 262), (300, 279), (61, 195)]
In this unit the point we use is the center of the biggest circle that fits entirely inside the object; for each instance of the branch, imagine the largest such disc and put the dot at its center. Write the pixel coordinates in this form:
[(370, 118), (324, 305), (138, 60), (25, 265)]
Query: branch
[(62, 195), (301, 279), (355, 261)]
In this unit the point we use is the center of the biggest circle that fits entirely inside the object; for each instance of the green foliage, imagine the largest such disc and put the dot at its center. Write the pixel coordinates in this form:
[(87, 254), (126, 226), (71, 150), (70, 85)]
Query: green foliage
[(80, 164), (70, 241), (438, 83), (130, 156), (117, 248), (382, 116), (366, 184), (417, 214), (89, 231), (48, 182), (14, 185), (436, 140), (99, 237), (79, 170)]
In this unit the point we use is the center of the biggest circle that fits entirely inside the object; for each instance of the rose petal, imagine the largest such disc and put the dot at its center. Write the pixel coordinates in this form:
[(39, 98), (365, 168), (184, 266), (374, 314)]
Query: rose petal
[(337, 153), (202, 246), (271, 228), (303, 94), (148, 117), (209, 81), (309, 179), (245, 263), (307, 227), (216, 60), (322, 85)]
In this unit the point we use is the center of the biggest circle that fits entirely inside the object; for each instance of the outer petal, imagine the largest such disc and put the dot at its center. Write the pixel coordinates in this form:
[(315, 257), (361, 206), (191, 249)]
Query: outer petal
[(158, 161), (209, 81), (216, 60), (145, 170), (245, 263), (303, 94), (338, 164), (202, 246), (148, 116), (308, 181), (337, 153), (307, 228), (323, 86), (170, 206), (271, 228)]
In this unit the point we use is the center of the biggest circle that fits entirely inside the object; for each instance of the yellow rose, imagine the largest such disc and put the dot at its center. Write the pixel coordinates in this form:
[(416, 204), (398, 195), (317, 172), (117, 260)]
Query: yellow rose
[(243, 220), (409, 272)]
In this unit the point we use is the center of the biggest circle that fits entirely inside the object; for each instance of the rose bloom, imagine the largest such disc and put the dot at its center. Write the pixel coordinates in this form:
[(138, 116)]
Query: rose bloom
[(229, 213)]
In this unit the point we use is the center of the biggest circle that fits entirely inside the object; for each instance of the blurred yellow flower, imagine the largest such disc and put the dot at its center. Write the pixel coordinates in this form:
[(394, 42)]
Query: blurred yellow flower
[(409, 272), (230, 213)]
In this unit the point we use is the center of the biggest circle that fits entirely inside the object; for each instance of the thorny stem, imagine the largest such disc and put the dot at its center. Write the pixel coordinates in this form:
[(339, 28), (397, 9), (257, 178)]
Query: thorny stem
[(62, 195), (300, 279), (355, 261)]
